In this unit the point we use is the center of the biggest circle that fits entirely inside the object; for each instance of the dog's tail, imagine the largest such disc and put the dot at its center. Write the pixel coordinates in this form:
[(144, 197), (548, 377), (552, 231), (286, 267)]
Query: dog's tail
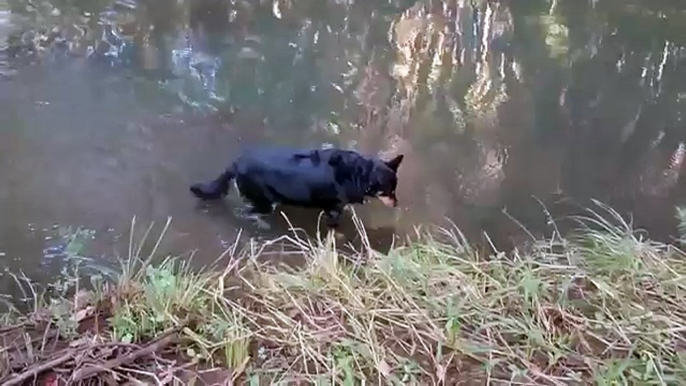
[(215, 189)]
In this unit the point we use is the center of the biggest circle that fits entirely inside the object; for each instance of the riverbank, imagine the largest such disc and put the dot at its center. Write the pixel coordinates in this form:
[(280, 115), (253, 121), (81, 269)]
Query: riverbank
[(598, 307)]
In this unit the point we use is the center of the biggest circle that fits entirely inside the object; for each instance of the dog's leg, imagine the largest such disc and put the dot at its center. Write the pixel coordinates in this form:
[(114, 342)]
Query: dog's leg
[(333, 217), (261, 207), (256, 211)]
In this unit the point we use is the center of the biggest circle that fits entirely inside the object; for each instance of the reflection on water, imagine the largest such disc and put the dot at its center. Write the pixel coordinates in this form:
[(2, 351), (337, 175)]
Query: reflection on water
[(504, 110)]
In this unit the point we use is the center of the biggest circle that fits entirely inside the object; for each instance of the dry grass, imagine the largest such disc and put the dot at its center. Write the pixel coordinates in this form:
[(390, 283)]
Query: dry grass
[(604, 306)]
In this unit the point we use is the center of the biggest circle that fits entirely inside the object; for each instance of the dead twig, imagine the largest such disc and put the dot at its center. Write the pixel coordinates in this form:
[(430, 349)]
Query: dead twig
[(7, 329), (37, 369), (47, 336), (165, 339)]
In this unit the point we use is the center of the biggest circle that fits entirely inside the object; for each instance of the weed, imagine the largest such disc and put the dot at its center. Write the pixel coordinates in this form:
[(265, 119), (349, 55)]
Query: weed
[(604, 306)]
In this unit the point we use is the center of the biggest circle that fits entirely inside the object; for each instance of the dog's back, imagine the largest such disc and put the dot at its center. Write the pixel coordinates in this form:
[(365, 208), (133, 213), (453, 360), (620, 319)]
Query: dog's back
[(292, 176)]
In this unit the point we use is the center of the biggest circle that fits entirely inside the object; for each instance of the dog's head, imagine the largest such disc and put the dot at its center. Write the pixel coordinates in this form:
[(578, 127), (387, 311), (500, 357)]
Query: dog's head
[(384, 180)]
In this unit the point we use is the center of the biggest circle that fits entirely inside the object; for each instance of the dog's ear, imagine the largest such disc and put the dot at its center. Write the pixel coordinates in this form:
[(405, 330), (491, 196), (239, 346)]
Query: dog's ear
[(395, 162)]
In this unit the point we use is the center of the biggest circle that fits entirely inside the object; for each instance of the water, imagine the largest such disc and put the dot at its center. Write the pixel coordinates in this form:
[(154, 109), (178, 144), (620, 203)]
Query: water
[(508, 113)]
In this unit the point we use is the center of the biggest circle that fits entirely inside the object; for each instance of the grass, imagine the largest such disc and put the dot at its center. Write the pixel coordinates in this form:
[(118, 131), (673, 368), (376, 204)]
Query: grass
[(604, 306)]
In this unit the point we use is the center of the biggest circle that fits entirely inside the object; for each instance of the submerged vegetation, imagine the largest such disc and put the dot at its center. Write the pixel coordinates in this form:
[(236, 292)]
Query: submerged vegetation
[(604, 306)]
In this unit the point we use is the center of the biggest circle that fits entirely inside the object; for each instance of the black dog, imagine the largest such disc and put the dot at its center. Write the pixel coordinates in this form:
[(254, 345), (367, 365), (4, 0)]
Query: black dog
[(326, 179)]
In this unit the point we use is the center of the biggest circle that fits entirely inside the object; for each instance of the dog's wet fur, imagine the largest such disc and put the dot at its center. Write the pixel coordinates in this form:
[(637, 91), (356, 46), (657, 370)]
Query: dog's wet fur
[(327, 179)]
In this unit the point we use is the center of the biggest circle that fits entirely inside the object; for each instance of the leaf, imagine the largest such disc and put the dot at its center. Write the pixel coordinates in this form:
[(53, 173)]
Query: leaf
[(238, 371), (51, 380), (127, 338), (276, 9), (384, 368), (84, 313)]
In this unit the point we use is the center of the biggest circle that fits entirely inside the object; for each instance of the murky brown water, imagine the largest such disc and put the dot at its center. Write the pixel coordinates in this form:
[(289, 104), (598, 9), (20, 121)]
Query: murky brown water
[(504, 110)]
